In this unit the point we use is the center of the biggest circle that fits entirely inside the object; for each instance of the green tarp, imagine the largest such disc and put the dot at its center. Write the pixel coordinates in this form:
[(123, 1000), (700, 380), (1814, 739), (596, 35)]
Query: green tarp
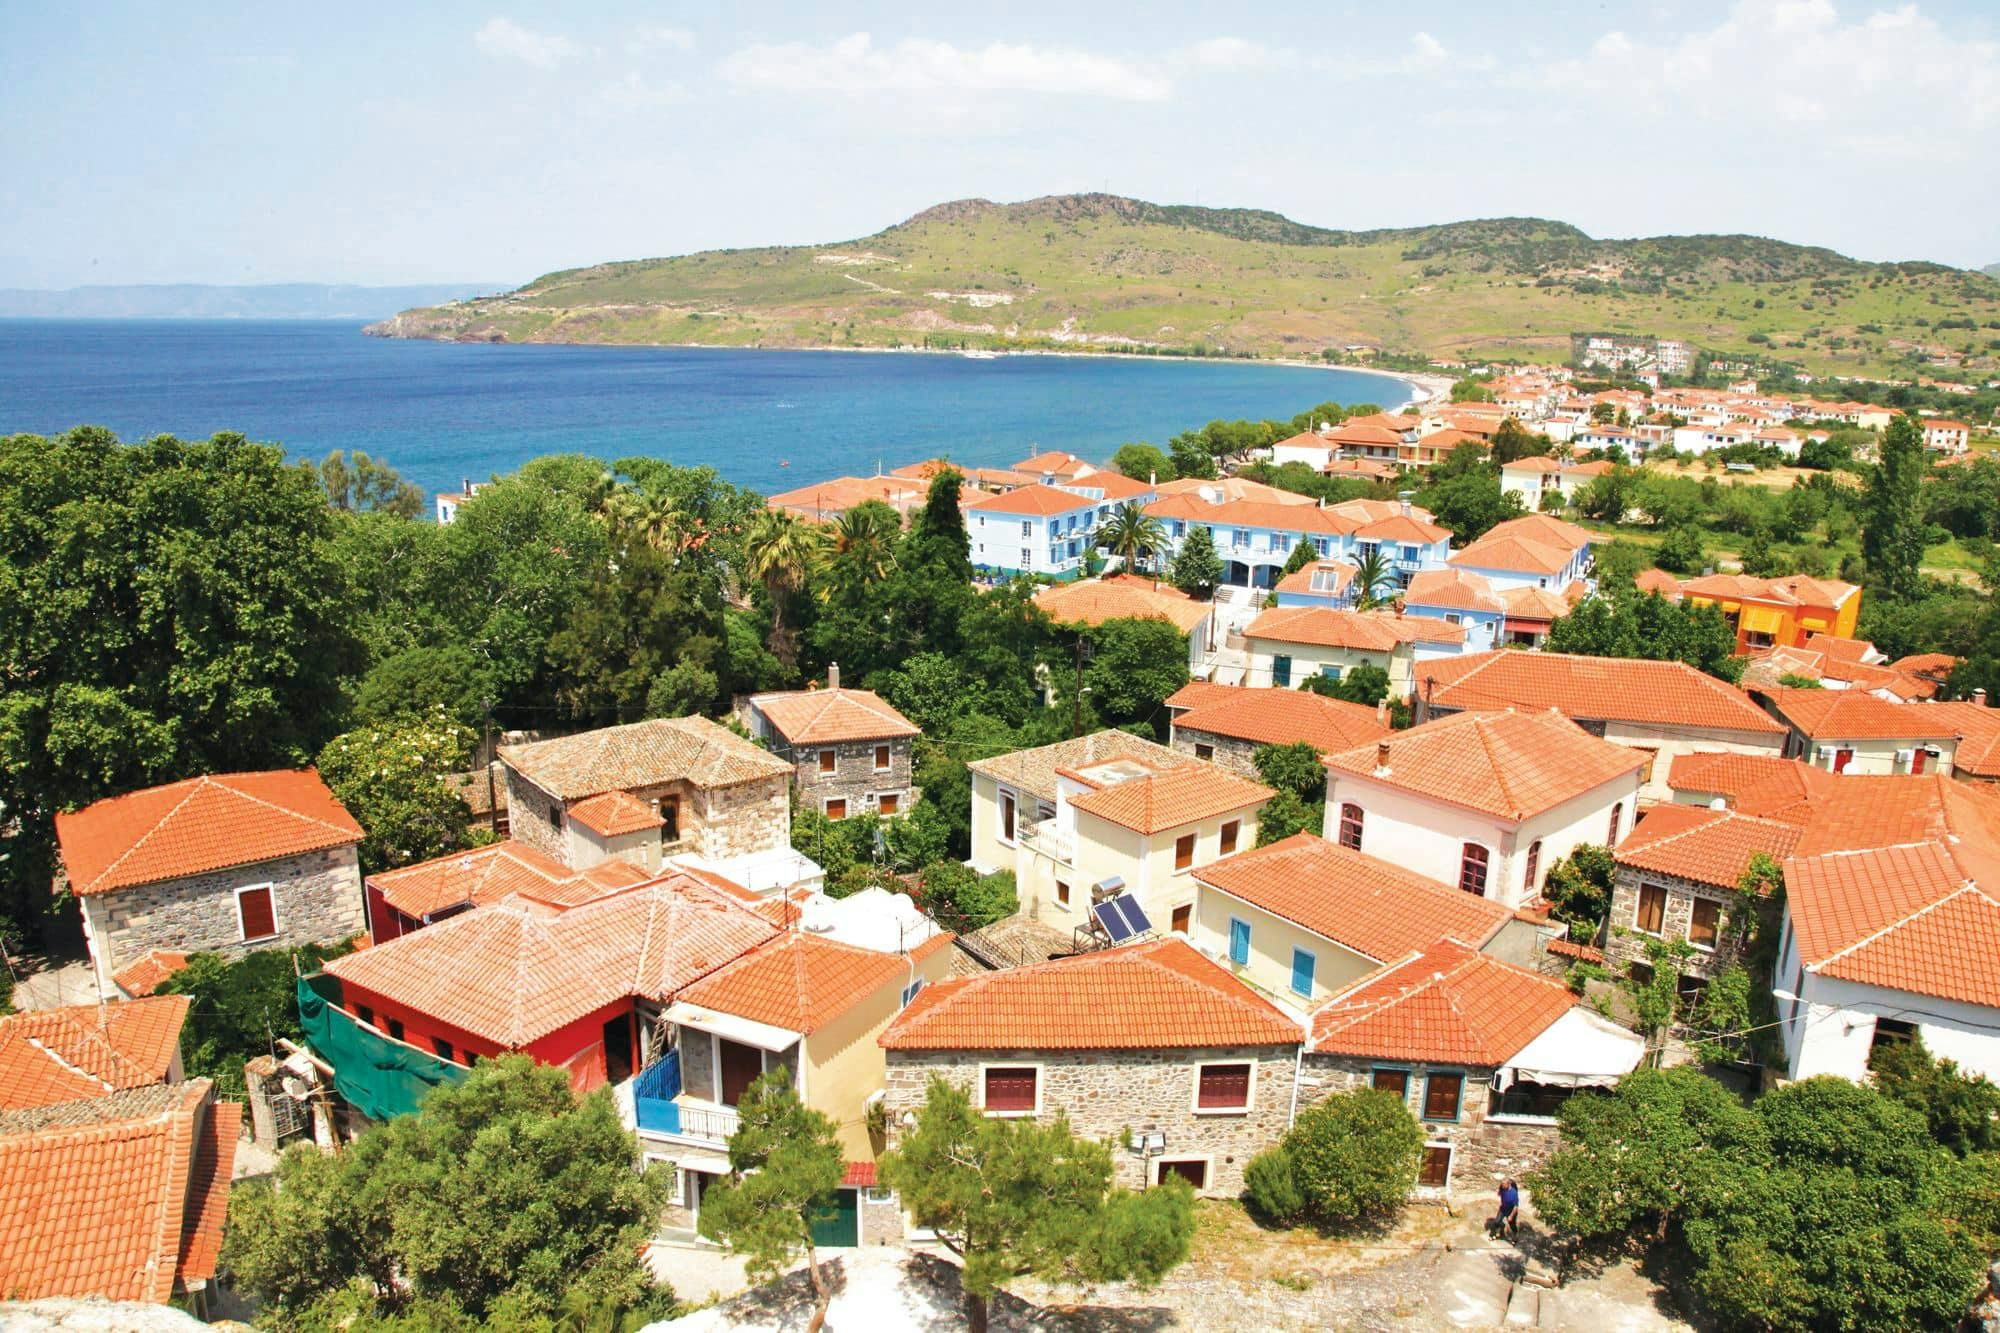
[(379, 1077)]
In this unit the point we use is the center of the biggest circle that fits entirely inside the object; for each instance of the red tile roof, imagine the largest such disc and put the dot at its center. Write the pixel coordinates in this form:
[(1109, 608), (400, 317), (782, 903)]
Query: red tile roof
[(859, 1175), (1707, 846), (202, 824), (832, 716), (62, 1055), (1756, 784), (1856, 715), (1160, 995), (142, 978), (1365, 631), (1838, 649), (640, 755), (613, 813), (798, 982), (1446, 1004), (1272, 716), (1911, 918), (1201, 693), (1172, 798), (1978, 726), (1453, 589), (1034, 770), (1054, 461), (1511, 764), (1312, 578), (488, 874), (1596, 689), (1120, 597), (1374, 907), (1658, 581), (1037, 500)]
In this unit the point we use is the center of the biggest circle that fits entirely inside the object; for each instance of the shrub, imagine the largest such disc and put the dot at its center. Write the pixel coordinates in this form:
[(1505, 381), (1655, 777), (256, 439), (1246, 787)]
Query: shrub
[(1271, 1184), (1355, 1155)]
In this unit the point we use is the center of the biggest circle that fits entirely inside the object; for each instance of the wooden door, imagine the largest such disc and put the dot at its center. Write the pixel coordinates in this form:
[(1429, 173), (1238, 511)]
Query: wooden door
[(740, 1067)]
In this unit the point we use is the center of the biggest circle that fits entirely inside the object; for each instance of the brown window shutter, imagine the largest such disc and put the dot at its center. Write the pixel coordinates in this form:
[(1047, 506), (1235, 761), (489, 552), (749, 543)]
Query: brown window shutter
[(1224, 1086), (1441, 1096), (259, 920), (1437, 1165), (1010, 1089)]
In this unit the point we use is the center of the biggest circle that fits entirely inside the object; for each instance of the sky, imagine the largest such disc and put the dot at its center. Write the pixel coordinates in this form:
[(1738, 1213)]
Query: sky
[(468, 142)]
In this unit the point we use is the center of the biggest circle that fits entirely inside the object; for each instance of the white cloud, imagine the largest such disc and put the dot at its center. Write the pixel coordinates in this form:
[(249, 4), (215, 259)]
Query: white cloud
[(855, 64), (504, 39), (659, 36), (635, 92)]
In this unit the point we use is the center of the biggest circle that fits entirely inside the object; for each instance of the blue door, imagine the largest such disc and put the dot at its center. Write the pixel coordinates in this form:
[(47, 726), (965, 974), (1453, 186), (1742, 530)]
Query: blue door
[(1239, 941), (1302, 972)]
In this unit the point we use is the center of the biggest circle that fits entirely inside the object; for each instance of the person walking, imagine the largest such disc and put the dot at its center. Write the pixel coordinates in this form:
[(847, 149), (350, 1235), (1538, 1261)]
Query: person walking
[(1508, 1221)]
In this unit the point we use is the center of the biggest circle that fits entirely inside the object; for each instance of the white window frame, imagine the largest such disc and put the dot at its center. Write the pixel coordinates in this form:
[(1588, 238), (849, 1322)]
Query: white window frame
[(845, 811), (820, 759), (875, 802), (1041, 1088), (1002, 797), (1294, 971), (1158, 1166), (1249, 1097), (910, 991), (889, 762), (277, 926), (1450, 1161)]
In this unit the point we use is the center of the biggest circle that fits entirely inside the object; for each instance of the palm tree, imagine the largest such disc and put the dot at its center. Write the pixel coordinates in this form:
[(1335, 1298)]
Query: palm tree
[(639, 516), (781, 549), (862, 544), (1131, 536), (1371, 575)]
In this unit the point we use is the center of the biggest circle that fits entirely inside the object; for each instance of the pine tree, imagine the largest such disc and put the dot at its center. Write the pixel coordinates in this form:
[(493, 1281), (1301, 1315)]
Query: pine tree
[(1302, 555), (1892, 534), (1196, 568)]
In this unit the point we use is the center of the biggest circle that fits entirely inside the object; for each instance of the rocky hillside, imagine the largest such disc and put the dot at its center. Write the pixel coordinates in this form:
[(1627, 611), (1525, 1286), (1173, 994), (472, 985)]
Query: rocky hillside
[(1101, 271)]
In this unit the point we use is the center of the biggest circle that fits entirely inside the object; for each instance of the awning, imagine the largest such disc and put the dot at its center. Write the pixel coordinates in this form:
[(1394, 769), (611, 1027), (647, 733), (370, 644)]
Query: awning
[(1582, 1049), (1519, 625), (1763, 619), (730, 1027)]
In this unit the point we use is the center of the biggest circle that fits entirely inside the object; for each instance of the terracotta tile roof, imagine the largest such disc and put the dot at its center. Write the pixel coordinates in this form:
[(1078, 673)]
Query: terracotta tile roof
[(1978, 727), (1658, 581), (202, 824), (642, 754), (1936, 665), (1855, 813), (1273, 716), (1838, 649), (1756, 784), (1037, 500), (798, 982), (1055, 462), (615, 812), (1034, 771), (1856, 715), (117, 1196), (837, 495), (1511, 764), (1910, 918), (1447, 1004), (1312, 578), (1706, 846), (1115, 486), (1232, 488), (1514, 554), (1404, 528), (832, 716), (1172, 797), (1365, 631), (1537, 604), (1595, 689), (1121, 597), (1453, 589), (143, 977), (1201, 693), (859, 1175), (488, 874), (1374, 907), (1366, 511), (1159, 995), (62, 1055)]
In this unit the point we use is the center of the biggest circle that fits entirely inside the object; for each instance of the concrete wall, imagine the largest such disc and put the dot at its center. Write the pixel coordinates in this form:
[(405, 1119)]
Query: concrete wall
[(1107, 1093), (1667, 742), (1101, 849), (1309, 659), (844, 1064), (1874, 756)]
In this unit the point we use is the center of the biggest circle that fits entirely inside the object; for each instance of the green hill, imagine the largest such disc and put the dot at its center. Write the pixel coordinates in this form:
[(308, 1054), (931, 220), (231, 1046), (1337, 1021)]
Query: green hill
[(1108, 272)]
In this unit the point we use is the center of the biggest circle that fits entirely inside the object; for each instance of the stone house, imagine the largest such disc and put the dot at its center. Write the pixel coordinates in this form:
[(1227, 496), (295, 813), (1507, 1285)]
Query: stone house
[(1226, 724), (648, 791), (1149, 1045), (226, 863), (1483, 1052), (1676, 879), (850, 751)]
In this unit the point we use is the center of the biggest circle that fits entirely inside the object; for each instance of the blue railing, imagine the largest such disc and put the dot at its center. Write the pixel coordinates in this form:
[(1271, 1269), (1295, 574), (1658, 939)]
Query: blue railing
[(653, 1093)]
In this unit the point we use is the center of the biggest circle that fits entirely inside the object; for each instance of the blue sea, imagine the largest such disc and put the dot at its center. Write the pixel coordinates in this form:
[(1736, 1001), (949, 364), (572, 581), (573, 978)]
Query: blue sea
[(770, 420)]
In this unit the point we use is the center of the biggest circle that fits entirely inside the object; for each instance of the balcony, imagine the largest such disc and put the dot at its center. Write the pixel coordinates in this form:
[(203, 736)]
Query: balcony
[(1045, 838), (653, 1103)]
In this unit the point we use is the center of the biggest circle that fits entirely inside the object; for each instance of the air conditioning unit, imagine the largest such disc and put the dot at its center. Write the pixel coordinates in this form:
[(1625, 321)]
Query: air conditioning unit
[(1904, 757)]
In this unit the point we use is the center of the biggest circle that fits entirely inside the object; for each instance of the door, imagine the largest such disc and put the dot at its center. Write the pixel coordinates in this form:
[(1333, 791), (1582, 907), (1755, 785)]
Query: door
[(1281, 670), (740, 1067), (838, 1223), (1183, 919), (618, 1049)]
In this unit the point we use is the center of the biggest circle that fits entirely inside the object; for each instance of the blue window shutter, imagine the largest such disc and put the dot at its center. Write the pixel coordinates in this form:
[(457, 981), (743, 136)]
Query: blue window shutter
[(1239, 941), (1302, 972)]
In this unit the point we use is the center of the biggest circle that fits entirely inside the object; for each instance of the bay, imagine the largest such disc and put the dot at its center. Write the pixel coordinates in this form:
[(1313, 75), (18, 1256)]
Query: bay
[(771, 420)]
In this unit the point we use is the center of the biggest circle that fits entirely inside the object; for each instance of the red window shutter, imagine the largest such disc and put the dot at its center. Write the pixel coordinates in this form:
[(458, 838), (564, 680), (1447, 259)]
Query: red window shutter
[(1224, 1086), (1010, 1089), (259, 920)]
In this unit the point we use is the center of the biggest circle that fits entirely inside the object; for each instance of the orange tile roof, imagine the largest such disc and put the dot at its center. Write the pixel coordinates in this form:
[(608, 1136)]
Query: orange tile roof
[(1303, 579), (833, 716), (840, 494), (1445, 1004), (613, 813), (1274, 716), (1121, 597), (1596, 689), (141, 978), (1403, 528), (1374, 907), (202, 824), (1233, 488), (1453, 589), (119, 1196), (1514, 554), (1978, 726), (640, 755), (1926, 664), (1201, 693), (1838, 649), (1856, 715), (487, 874), (1365, 631), (1159, 995), (1707, 846), (1054, 461), (1034, 770), (1172, 798), (1911, 918), (1511, 764), (798, 982), (1658, 581), (62, 1055), (1116, 486), (1036, 500), (1756, 784), (1536, 604)]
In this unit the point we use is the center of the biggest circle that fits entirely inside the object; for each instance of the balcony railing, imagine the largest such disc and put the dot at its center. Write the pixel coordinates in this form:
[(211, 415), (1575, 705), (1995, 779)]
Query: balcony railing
[(710, 1124), (1048, 840)]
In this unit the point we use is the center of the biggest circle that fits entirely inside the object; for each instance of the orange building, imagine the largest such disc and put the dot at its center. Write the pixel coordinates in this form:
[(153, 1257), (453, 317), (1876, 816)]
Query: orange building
[(1770, 613)]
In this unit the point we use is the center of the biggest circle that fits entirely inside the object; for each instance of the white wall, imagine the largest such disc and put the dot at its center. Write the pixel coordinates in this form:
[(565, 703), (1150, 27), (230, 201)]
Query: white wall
[(1667, 742)]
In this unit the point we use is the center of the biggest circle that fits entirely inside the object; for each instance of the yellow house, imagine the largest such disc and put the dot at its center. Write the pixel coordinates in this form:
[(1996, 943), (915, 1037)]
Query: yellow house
[(1771, 613)]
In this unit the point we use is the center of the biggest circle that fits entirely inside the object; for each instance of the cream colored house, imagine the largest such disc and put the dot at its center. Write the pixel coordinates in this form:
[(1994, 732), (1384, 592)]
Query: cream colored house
[(1852, 731), (1485, 801), (1289, 645), (1106, 813)]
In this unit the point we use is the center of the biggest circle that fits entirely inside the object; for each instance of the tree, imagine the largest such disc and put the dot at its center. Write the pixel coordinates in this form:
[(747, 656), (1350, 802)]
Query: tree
[(1579, 889), (241, 1006), (645, 613), (1132, 536), (785, 1162), (1015, 1198), (1892, 534), (504, 1196), (1303, 554), (1196, 568), (954, 892), (1513, 441), (1364, 684), (1354, 1155), (782, 548), (1371, 576), (1471, 504), (1285, 814), (683, 688), (426, 681), (1962, 1110), (1189, 457), (391, 779), (862, 544), (1294, 768), (365, 484), (1681, 552), (1133, 666), (1142, 462)]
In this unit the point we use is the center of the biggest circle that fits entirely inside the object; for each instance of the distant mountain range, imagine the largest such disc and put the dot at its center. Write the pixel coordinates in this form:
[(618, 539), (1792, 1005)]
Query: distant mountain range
[(1105, 272), (285, 300)]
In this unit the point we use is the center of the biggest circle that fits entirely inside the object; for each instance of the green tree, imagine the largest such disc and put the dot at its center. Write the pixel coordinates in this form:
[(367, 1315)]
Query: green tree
[(1018, 1198), (426, 681), (1372, 577), (1294, 768), (1893, 530), (1681, 552), (241, 1007), (1471, 504), (1303, 554), (1513, 441), (1132, 536), (861, 545), (1354, 1155), (645, 613), (1196, 568), (1285, 814), (683, 688), (785, 1162), (1579, 889), (1133, 666), (391, 779), (1962, 1110), (1142, 462), (955, 893), (782, 549), (358, 482), (1191, 458), (1364, 684)]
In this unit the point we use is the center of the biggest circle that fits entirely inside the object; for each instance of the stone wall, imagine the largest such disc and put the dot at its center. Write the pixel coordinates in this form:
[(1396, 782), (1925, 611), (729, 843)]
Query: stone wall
[(718, 822), (881, 1220), (1107, 1093), (1483, 1151), (315, 896), (1625, 944), (1238, 756), (530, 811), (855, 777)]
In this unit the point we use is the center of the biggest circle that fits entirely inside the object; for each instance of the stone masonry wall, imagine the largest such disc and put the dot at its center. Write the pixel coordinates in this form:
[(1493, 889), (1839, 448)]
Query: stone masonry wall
[(1624, 944), (316, 897), (528, 812), (1109, 1092), (854, 778), (735, 821), (1238, 756), (1483, 1151)]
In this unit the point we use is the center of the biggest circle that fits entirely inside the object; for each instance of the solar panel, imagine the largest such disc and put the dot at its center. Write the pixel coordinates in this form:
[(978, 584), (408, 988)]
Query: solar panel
[(1112, 920), (1133, 915)]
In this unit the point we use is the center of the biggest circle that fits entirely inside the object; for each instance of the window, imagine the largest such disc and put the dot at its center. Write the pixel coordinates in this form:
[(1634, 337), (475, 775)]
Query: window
[(1441, 1096), (442, 1047), (1062, 893), (670, 811), (1230, 832), (555, 816), (836, 807), (1703, 923), (1617, 817), (881, 759), (1303, 964), (1530, 1099), (1533, 868), (910, 991), (1330, 672), (1391, 1080), (1202, 751), (1239, 941), (1183, 852), (888, 803), (1472, 860), (1194, 1170), (1281, 670), (1027, 527), (1183, 918), (1435, 1173), (365, 1014), (1011, 1089), (829, 761), (1006, 816), (396, 1029), (1652, 911), (256, 914), (1223, 1088), (1350, 827), (1917, 760)]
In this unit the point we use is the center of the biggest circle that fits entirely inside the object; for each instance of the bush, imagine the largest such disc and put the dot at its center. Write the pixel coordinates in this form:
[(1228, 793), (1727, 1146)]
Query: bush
[(1354, 1155), (1271, 1184)]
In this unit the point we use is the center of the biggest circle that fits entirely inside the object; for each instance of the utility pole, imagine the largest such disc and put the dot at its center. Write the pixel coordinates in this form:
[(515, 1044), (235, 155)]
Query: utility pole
[(1076, 693), (492, 795)]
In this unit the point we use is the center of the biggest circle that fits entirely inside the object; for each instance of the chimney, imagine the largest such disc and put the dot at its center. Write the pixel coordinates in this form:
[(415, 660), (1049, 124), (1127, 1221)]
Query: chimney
[(1979, 696), (1381, 717), (833, 675), (1404, 496), (1381, 756)]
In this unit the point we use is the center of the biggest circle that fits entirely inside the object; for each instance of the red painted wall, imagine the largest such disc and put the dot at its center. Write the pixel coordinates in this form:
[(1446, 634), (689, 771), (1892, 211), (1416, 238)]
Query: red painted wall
[(577, 1046)]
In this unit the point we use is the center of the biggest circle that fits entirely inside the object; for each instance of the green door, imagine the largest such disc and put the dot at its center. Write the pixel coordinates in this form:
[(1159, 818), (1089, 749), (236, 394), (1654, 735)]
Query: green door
[(840, 1222)]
